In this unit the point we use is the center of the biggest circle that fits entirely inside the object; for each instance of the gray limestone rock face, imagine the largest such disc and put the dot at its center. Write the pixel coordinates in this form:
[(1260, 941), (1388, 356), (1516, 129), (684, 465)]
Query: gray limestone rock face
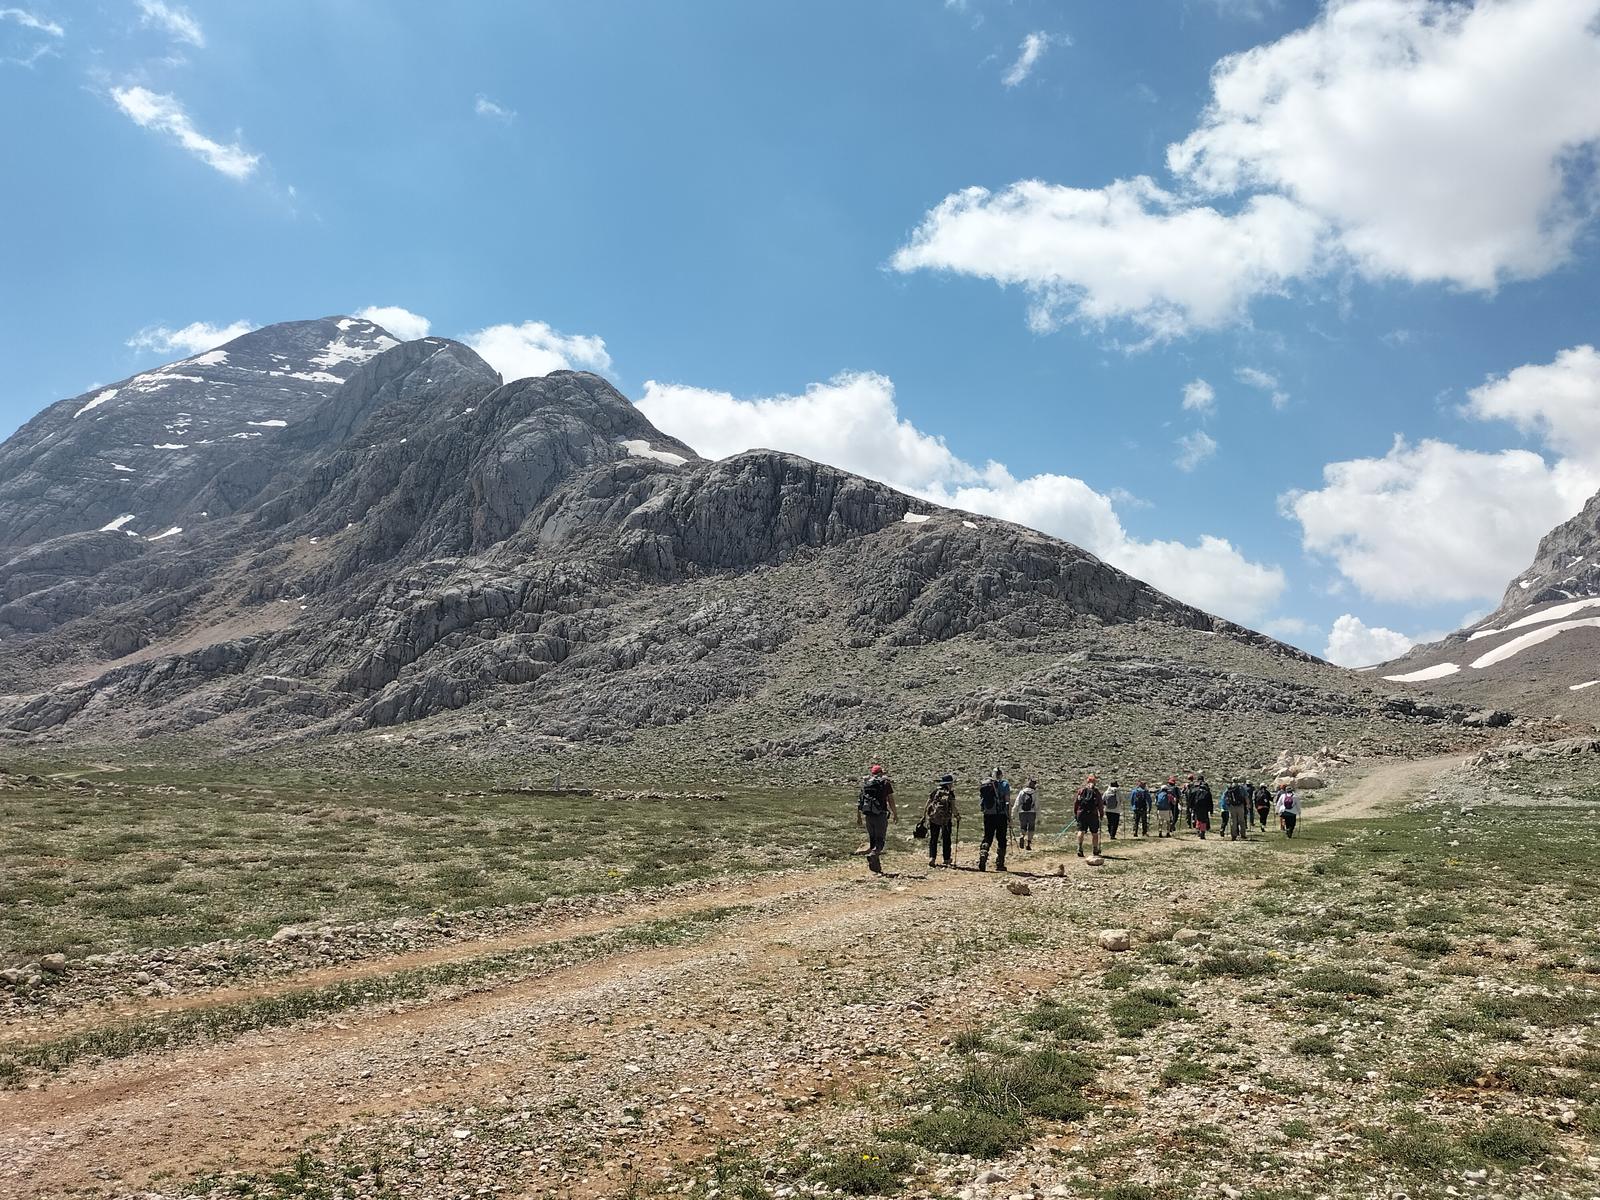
[(400, 537), (180, 444)]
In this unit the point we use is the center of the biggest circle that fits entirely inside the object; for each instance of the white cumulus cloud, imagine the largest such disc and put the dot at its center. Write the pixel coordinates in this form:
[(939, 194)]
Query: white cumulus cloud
[(1354, 643), (1028, 56), (194, 338), (179, 24), (1559, 402), (1432, 141), (403, 323), (1199, 396), (1435, 522), (1130, 250), (533, 348), (1193, 449), (152, 110), (33, 21), (853, 422), (486, 107), (1264, 382), (1443, 142)]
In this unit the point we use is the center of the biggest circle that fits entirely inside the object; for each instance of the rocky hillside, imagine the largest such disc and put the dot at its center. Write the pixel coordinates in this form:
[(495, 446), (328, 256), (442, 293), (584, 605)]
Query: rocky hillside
[(1540, 651), (319, 536)]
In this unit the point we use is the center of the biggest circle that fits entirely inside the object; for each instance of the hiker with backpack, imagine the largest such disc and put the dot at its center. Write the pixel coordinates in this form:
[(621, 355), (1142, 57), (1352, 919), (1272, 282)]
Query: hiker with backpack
[(940, 817), (1240, 808), (875, 805), (1288, 810), (1025, 812), (994, 804), (1139, 800), (1222, 808), (1111, 805), (1166, 810), (1263, 803), (1088, 808), (1200, 805)]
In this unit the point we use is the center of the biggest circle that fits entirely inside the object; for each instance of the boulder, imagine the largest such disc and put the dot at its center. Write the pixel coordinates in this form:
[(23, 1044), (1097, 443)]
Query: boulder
[(1187, 937), (1094, 860), (1116, 940), (1017, 888), (55, 964), (1309, 782)]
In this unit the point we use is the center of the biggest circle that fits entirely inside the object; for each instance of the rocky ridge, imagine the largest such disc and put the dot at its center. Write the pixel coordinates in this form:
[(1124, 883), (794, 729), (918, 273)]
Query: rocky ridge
[(408, 543)]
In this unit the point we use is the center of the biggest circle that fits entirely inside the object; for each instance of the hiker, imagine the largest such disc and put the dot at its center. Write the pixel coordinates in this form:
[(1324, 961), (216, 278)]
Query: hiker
[(1288, 810), (1200, 805), (1166, 810), (1222, 807), (1240, 809), (1025, 812), (1263, 802), (1139, 801), (876, 807), (1088, 809), (941, 815), (992, 803), (1111, 804)]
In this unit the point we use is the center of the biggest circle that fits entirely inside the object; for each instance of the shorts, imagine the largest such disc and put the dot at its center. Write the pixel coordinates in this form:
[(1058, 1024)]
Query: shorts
[(1027, 820), (1088, 823)]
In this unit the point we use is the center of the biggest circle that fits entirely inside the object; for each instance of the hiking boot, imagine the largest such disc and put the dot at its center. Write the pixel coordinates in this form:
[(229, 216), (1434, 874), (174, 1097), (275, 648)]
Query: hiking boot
[(1080, 851), (872, 865), (983, 864), (932, 864)]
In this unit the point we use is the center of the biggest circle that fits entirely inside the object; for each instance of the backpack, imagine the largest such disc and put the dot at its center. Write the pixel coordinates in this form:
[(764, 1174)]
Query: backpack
[(988, 797), (941, 803), (874, 801), (1025, 800), (1088, 801), (1139, 798), (1164, 800)]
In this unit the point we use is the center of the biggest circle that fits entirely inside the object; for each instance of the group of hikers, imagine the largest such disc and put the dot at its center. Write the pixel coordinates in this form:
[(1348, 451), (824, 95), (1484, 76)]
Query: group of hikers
[(1006, 814)]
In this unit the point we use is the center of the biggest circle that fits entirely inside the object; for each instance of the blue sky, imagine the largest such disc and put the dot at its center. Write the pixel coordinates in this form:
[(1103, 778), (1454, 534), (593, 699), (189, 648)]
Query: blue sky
[(1351, 223)]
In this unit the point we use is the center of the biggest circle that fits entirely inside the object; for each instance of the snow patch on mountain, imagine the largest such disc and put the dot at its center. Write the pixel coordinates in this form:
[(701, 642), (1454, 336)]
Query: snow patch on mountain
[(113, 526), (639, 448), (173, 532), (1518, 644), (108, 394), (341, 350), (1437, 671)]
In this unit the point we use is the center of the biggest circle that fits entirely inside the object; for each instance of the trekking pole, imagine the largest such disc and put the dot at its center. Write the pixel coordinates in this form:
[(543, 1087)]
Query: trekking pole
[(955, 857)]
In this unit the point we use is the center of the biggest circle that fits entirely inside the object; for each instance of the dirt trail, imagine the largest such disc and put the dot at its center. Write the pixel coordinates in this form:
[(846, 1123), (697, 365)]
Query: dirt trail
[(819, 941)]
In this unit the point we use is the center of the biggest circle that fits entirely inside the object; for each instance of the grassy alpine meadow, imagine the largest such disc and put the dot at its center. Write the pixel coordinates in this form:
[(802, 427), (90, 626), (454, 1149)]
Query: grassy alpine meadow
[(96, 861), (1402, 1005)]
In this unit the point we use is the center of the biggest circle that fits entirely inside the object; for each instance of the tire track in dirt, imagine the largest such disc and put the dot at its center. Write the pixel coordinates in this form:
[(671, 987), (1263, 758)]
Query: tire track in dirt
[(253, 1100)]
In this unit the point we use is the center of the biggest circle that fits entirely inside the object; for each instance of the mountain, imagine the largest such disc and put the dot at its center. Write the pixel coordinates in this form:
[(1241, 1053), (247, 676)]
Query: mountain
[(320, 540), (1540, 650)]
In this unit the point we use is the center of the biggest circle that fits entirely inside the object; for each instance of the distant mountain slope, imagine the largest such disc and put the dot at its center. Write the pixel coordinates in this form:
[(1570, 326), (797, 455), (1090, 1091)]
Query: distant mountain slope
[(1540, 650), (401, 540)]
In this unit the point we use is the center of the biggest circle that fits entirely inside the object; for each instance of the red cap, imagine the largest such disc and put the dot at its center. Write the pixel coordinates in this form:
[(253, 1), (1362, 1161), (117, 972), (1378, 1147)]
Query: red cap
[(876, 769)]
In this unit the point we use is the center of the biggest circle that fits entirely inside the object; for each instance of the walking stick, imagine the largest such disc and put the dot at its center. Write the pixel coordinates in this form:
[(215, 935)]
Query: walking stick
[(955, 858)]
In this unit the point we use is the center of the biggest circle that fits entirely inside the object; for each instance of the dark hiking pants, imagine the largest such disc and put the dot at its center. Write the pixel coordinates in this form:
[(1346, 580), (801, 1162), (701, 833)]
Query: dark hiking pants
[(1113, 819), (877, 834), (1288, 823), (1141, 822), (994, 830), (937, 834)]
